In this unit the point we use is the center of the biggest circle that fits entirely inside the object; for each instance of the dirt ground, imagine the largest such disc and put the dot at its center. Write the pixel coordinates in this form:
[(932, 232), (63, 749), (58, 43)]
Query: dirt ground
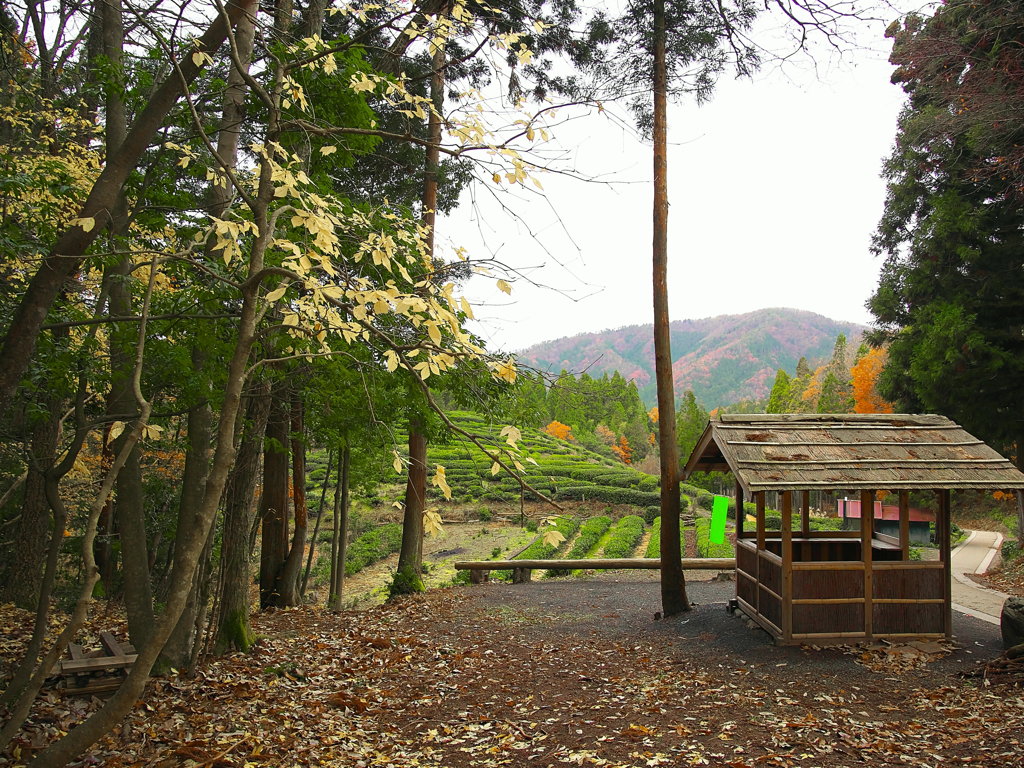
[(567, 672)]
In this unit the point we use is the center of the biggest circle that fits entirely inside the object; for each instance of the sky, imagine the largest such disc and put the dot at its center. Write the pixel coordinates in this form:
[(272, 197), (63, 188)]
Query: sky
[(774, 190)]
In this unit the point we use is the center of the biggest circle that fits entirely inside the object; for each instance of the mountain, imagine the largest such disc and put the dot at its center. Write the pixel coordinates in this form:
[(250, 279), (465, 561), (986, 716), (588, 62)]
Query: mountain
[(723, 359)]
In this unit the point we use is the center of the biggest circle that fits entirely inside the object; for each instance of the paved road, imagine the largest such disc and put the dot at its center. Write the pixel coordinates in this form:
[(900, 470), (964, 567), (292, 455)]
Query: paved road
[(974, 556)]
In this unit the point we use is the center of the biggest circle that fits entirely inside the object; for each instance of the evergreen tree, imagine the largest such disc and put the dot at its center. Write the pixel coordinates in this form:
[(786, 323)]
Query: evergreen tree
[(950, 301), (779, 399)]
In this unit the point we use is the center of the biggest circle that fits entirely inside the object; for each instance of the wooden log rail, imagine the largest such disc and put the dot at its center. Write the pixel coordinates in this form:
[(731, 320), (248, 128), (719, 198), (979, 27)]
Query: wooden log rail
[(521, 569)]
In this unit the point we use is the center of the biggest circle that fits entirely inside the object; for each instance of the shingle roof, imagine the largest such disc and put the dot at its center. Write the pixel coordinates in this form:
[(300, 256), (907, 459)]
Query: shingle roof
[(842, 451)]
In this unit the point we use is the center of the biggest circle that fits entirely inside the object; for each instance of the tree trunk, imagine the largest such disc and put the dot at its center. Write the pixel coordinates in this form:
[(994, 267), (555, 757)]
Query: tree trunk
[(288, 585), (673, 584), (178, 652), (274, 503), (319, 520), (339, 540), (22, 571), (233, 630), (129, 503), (23, 672), (410, 559)]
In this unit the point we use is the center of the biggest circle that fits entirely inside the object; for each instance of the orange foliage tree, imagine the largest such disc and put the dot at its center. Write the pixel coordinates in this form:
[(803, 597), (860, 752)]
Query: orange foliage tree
[(623, 451), (604, 434), (559, 430), (865, 383)]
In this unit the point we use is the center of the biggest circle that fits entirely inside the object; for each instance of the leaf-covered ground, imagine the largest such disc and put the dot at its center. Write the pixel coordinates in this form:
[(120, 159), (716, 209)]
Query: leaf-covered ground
[(561, 673)]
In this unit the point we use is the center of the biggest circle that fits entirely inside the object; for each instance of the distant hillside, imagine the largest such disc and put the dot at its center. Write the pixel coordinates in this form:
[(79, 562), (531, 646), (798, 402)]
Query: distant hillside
[(723, 359)]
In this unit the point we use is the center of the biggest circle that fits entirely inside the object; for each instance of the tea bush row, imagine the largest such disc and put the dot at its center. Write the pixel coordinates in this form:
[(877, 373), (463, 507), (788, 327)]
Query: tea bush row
[(624, 537), (707, 548), (372, 546)]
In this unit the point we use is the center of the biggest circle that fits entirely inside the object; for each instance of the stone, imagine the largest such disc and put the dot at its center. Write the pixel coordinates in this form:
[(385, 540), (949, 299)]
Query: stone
[(1012, 622)]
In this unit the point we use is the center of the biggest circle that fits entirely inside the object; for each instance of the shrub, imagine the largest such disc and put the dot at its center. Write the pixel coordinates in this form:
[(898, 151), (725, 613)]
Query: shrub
[(485, 514), (590, 533), (540, 549), (654, 544), (705, 547), (649, 483), (625, 536), (372, 546), (531, 526), (651, 514)]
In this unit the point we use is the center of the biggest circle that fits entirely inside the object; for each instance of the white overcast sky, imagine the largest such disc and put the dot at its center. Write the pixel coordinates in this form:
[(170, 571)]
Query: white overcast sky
[(774, 190)]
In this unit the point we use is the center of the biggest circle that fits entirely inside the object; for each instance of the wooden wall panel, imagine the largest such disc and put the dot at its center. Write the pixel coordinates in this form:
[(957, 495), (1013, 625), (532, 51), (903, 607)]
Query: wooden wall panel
[(903, 618), (921, 584), (832, 619), (771, 575), (822, 584), (771, 608)]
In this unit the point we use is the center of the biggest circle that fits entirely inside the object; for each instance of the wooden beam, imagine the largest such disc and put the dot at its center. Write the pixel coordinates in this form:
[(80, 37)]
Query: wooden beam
[(867, 523), (943, 531), (904, 525), (759, 501), (805, 514), (802, 443), (853, 460), (597, 564), (787, 566), (740, 514)]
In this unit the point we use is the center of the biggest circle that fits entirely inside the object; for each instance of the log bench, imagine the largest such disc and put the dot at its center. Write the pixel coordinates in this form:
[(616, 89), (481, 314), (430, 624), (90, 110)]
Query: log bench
[(522, 569)]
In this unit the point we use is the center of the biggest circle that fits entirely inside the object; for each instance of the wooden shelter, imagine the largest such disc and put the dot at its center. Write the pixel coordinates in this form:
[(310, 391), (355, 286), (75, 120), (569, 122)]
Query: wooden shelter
[(840, 586)]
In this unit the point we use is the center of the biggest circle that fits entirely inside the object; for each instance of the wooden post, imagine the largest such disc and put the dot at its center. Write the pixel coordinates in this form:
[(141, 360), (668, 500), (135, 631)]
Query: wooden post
[(867, 527), (521, 575), (904, 525), (759, 500), (740, 514), (787, 566), (942, 531), (805, 515)]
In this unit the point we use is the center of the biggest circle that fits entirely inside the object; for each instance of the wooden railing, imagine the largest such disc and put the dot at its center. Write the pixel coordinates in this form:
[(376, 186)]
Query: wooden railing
[(521, 569)]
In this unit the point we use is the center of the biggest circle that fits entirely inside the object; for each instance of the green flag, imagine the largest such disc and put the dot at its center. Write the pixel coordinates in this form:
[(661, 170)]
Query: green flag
[(716, 535)]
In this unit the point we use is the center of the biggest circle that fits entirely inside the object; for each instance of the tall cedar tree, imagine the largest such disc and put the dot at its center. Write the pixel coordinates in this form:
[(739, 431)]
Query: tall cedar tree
[(950, 302)]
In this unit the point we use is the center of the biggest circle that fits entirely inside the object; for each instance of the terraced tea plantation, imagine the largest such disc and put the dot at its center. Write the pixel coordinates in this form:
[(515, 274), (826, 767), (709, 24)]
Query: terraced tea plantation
[(556, 468), (611, 509)]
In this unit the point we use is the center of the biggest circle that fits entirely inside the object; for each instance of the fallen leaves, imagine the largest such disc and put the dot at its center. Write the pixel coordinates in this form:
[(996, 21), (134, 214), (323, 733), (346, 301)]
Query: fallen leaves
[(445, 680)]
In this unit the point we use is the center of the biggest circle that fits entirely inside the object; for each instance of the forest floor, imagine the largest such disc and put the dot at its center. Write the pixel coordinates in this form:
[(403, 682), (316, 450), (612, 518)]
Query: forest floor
[(566, 672)]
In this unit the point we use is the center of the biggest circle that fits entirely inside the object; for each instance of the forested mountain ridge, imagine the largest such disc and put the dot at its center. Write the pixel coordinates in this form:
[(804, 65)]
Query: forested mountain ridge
[(722, 359)]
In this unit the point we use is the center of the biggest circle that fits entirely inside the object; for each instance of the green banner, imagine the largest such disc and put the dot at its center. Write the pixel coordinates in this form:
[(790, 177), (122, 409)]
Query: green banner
[(716, 535)]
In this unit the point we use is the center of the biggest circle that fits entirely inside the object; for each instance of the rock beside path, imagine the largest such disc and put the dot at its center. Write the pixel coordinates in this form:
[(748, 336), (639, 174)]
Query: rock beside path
[(1011, 622)]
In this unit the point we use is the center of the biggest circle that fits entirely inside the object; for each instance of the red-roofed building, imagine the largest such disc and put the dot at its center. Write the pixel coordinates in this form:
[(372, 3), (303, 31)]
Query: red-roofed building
[(887, 519)]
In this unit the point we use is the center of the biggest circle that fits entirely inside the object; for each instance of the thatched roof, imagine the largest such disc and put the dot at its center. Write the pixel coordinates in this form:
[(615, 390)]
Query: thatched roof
[(840, 451)]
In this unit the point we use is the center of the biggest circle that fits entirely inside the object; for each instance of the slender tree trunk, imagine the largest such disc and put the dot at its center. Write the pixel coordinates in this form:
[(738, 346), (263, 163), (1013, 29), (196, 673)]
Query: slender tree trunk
[(274, 503), (233, 630), (23, 672), (673, 584), (288, 583), (339, 541), (21, 575), (319, 520), (410, 559), (129, 503), (178, 652)]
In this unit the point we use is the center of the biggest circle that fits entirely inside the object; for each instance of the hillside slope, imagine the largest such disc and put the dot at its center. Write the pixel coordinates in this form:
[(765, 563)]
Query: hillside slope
[(723, 359)]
